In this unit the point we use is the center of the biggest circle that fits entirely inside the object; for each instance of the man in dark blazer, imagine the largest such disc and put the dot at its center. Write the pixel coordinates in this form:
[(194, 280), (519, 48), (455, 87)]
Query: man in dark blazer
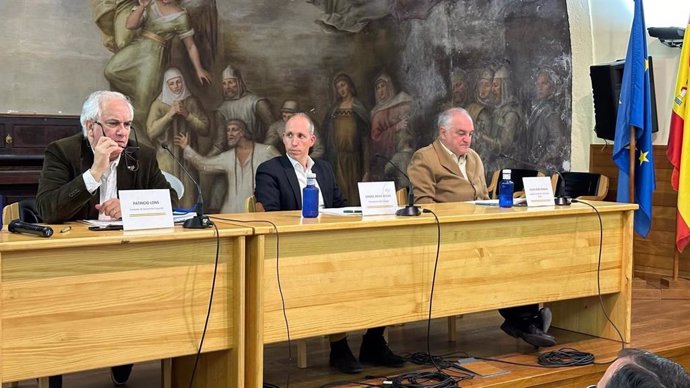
[(279, 184), (82, 174)]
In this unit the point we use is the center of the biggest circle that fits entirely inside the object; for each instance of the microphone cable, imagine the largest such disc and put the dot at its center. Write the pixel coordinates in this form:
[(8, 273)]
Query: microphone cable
[(434, 379), (280, 287), (566, 357), (208, 311), (601, 300)]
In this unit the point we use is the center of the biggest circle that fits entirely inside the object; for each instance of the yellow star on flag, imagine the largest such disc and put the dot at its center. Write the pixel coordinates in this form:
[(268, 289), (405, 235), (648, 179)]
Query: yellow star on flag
[(643, 157)]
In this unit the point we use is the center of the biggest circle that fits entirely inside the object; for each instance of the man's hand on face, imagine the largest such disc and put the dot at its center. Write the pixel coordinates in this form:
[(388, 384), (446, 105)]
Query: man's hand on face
[(110, 208), (105, 150)]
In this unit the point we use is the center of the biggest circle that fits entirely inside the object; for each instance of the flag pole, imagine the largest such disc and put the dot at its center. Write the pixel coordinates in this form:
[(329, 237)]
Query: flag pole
[(631, 180)]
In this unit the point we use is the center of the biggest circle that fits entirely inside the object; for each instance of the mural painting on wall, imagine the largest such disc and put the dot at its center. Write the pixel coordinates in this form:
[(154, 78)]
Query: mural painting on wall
[(216, 82)]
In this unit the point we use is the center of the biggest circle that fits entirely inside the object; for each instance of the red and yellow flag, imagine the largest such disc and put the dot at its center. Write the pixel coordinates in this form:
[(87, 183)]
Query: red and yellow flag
[(678, 151)]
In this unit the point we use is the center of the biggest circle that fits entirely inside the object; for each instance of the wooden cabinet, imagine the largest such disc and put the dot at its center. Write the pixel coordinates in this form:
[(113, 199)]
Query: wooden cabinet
[(23, 139)]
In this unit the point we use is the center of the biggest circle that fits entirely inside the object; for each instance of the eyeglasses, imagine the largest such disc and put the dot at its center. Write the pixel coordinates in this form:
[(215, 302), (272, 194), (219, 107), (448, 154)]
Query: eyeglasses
[(112, 124), (130, 150)]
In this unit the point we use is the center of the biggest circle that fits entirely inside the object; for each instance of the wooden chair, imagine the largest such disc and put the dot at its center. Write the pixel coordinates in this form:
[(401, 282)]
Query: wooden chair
[(175, 183), (581, 185), (252, 206), (10, 212), (516, 175), (401, 195)]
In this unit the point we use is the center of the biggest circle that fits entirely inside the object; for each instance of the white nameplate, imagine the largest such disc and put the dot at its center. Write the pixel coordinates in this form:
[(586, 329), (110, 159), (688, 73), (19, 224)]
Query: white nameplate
[(538, 191), (377, 198), (146, 209)]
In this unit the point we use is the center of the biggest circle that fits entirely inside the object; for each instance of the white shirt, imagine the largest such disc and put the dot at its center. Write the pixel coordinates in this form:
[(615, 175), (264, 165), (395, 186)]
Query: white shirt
[(301, 173), (108, 184), (460, 160)]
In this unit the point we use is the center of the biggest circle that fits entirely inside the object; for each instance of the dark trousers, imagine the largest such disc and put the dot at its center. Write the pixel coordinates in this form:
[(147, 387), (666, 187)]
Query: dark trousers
[(521, 315)]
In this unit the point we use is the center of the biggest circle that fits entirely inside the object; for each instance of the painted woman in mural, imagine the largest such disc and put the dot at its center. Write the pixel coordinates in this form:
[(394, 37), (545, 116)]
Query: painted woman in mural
[(176, 111), (346, 135), (507, 121), (389, 124), (546, 126), (136, 70)]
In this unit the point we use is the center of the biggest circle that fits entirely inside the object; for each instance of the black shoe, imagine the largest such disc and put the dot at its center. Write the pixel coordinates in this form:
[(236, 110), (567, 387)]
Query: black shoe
[(531, 334), (120, 374), (375, 351), (342, 359), (55, 381)]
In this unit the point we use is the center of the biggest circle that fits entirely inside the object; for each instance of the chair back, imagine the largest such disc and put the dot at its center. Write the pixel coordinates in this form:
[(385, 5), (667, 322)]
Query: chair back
[(10, 212), (24, 210), (252, 206), (582, 185), (175, 183), (516, 175), (401, 195)]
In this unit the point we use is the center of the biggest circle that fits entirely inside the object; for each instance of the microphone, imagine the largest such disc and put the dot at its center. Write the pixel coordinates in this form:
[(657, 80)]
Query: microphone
[(560, 200), (18, 226), (200, 221), (410, 209)]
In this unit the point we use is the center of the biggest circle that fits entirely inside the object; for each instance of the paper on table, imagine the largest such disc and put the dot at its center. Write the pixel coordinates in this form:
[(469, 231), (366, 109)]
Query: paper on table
[(494, 202), (177, 218), (343, 211)]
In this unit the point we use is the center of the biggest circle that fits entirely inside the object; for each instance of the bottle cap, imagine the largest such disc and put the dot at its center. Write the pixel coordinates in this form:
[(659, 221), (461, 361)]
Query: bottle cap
[(506, 174)]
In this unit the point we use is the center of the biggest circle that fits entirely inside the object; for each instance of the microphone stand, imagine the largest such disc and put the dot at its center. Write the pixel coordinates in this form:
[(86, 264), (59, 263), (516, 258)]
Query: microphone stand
[(560, 200), (410, 210), (200, 221)]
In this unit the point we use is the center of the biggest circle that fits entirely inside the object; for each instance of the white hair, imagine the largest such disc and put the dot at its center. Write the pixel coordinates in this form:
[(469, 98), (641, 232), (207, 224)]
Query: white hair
[(445, 117), (93, 106)]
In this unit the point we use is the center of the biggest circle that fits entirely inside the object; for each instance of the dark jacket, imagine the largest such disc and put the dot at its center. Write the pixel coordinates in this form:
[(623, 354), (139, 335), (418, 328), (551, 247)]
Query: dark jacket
[(277, 187), (62, 194)]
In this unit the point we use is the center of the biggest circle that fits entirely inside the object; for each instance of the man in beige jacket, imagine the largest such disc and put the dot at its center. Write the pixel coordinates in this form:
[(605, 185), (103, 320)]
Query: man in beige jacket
[(448, 170)]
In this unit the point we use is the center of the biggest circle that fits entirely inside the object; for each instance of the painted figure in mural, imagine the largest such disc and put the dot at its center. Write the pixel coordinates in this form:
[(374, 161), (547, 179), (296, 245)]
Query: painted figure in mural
[(389, 124), (239, 163), (346, 135), (548, 136), (137, 69), (487, 140), (238, 103), (274, 136), (354, 15), (401, 159), (507, 120), (176, 111), (459, 88)]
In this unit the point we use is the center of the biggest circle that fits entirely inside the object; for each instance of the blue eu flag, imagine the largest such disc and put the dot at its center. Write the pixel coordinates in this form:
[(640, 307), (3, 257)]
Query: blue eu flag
[(635, 110)]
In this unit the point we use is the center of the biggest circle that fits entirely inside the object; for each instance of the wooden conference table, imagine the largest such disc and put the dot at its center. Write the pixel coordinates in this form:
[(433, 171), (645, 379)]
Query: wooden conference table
[(343, 273), (82, 300)]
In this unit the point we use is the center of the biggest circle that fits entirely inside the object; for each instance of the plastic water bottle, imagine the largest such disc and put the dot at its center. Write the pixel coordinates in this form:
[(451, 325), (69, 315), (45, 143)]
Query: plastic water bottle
[(505, 190), (310, 197)]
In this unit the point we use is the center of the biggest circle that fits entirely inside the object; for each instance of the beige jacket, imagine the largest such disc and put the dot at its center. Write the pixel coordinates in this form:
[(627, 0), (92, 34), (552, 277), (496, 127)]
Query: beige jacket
[(436, 177)]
